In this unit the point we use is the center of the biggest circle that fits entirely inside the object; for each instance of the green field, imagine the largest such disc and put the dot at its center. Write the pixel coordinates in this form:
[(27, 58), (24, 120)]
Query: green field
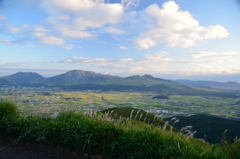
[(49, 101)]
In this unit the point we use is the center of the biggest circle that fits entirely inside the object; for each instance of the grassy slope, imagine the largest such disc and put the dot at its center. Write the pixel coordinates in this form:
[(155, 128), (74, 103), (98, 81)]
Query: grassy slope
[(101, 135), (136, 114)]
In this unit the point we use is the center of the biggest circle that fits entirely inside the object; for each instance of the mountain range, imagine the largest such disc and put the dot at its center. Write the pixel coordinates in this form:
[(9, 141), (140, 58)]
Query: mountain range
[(79, 79), (230, 85)]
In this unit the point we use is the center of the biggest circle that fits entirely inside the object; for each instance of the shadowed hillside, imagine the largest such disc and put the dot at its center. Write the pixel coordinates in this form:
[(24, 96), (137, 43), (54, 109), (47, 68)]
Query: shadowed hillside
[(210, 128)]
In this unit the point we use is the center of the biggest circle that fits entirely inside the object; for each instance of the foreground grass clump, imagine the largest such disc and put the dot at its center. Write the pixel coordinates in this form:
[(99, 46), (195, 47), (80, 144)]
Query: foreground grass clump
[(7, 108), (99, 134)]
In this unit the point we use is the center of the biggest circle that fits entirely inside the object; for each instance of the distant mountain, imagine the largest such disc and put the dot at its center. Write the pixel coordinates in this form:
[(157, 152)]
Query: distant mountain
[(137, 80), (25, 78), (219, 85), (3, 81), (87, 80), (150, 83), (76, 77)]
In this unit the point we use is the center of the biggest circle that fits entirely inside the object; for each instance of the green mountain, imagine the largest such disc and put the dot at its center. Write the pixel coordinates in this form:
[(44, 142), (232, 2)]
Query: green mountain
[(25, 78), (76, 77), (137, 80), (148, 81)]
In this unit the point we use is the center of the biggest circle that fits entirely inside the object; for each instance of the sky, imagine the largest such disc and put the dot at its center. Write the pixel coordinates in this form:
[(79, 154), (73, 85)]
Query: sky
[(181, 39)]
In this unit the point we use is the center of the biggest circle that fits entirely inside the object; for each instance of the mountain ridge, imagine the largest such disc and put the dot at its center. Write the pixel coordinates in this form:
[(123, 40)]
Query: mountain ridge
[(88, 80), (80, 77), (230, 85), (24, 77)]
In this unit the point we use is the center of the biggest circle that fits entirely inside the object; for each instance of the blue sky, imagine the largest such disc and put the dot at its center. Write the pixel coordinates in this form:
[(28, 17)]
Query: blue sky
[(181, 39)]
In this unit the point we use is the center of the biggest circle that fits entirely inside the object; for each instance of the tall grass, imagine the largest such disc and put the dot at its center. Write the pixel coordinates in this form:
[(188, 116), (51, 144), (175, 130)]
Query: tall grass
[(231, 148), (100, 134)]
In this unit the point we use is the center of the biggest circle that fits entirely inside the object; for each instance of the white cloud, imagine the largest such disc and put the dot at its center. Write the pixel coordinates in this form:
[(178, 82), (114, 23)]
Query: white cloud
[(13, 28), (116, 67), (123, 47), (129, 4), (150, 61), (74, 18), (125, 60), (217, 70), (40, 29), (86, 60), (145, 42), (174, 27), (73, 5), (228, 54), (231, 53), (112, 30), (6, 42), (158, 57), (203, 54), (81, 19), (32, 45), (135, 69), (214, 32), (76, 34), (48, 39), (160, 63), (68, 47), (2, 18)]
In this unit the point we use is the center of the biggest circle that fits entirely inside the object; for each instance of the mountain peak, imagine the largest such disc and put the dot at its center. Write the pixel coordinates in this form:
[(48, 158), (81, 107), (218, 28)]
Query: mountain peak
[(81, 73), (75, 77), (148, 76), (25, 77), (26, 72)]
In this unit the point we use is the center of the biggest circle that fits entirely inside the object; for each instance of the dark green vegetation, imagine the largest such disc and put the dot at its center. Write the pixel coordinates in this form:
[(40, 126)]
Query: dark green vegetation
[(7, 108), (101, 135), (86, 80), (160, 96), (210, 128)]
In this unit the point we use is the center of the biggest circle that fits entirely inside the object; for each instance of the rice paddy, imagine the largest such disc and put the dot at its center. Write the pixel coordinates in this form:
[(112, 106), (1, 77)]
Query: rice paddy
[(50, 101)]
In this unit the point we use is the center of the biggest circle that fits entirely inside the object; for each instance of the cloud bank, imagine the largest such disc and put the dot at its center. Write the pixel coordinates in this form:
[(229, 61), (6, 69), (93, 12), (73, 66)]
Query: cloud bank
[(174, 27), (84, 19)]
